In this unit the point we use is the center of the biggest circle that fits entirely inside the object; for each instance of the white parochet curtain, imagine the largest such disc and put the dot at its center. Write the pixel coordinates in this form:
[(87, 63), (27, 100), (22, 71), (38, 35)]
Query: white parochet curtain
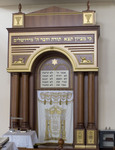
[(55, 116)]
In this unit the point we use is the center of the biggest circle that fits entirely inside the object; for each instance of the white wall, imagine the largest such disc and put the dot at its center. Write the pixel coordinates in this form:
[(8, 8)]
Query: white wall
[(106, 20)]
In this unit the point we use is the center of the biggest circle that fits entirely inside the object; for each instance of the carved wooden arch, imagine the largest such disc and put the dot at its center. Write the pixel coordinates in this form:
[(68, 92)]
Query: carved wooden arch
[(56, 49)]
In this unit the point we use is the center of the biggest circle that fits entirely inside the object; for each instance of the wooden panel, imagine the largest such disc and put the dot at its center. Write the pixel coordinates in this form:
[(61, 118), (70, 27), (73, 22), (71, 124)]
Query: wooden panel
[(64, 28), (31, 102), (53, 17)]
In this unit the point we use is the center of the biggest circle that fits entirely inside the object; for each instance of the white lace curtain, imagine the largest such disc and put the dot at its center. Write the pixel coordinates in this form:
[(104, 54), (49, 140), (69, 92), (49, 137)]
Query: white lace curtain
[(55, 116)]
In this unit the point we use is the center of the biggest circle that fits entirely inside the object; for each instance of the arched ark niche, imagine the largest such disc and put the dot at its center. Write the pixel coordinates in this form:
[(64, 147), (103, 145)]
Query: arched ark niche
[(53, 65)]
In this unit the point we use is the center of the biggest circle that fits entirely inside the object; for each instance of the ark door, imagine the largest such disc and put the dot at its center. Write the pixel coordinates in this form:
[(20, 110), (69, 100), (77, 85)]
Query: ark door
[(54, 90)]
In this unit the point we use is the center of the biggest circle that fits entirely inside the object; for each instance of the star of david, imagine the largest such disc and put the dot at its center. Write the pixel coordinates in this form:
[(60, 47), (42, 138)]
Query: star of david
[(54, 61)]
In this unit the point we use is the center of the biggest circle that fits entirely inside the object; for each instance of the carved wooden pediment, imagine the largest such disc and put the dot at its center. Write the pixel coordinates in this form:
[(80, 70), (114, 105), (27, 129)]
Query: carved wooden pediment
[(52, 9), (53, 17)]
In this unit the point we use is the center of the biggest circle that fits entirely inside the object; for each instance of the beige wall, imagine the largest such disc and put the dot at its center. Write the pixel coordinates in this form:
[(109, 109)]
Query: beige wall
[(106, 20)]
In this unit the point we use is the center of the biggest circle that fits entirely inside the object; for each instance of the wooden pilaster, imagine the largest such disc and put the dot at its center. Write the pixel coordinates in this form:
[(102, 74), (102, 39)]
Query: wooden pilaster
[(91, 134), (91, 103), (14, 99), (25, 101), (80, 131), (80, 98)]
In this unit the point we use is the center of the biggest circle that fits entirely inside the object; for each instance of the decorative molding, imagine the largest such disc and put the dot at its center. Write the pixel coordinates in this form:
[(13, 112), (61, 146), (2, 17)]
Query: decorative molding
[(63, 42), (53, 13)]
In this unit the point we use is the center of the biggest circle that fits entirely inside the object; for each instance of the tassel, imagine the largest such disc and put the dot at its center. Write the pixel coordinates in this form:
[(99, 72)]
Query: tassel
[(60, 102), (44, 102), (51, 102)]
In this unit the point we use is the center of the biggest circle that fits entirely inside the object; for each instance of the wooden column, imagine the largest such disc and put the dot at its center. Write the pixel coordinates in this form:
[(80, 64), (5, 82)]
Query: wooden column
[(91, 134), (91, 103), (80, 131), (25, 101), (14, 99), (80, 98), (31, 103)]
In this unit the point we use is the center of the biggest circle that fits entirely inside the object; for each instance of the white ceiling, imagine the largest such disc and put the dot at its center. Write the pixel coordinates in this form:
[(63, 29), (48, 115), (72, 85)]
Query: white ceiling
[(39, 2)]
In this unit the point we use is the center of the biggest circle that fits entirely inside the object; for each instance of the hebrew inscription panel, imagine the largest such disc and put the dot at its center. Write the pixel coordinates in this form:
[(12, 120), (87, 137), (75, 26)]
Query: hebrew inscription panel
[(54, 79)]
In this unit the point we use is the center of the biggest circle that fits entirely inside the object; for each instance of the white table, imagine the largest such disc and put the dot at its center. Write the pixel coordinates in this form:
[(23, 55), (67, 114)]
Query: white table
[(9, 146), (22, 139)]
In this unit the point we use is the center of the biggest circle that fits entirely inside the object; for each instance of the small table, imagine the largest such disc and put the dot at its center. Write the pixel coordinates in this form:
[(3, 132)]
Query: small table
[(9, 146), (22, 139)]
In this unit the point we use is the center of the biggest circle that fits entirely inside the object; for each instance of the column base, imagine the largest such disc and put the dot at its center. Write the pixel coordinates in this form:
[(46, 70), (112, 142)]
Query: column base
[(85, 147), (91, 137), (80, 138), (91, 146), (79, 146)]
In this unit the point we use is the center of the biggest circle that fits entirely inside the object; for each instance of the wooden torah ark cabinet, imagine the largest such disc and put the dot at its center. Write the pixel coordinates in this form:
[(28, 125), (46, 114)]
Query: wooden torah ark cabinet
[(56, 39)]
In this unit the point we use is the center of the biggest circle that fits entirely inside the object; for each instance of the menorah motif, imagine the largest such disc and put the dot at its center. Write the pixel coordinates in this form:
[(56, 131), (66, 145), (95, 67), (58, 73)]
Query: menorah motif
[(88, 17), (18, 20)]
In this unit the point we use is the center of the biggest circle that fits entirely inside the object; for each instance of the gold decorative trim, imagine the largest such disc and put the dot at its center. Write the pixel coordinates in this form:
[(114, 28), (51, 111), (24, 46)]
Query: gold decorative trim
[(86, 69), (84, 61), (85, 146), (79, 146), (75, 70), (69, 55), (20, 61), (91, 146), (53, 13), (17, 70)]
